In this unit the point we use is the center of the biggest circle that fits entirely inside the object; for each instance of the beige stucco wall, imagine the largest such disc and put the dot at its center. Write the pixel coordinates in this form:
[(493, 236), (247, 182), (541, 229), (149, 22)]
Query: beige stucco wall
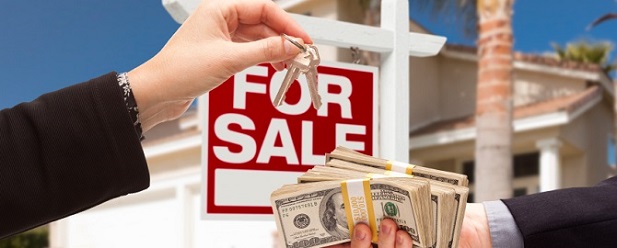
[(589, 133), (327, 9), (457, 92), (449, 164), (349, 11), (430, 156), (322, 8), (599, 127), (573, 163), (575, 134), (423, 90), (532, 87), (176, 161), (573, 172)]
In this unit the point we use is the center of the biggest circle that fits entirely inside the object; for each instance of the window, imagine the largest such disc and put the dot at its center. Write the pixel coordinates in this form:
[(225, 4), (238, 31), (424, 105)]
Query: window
[(519, 192), (469, 169), (526, 167)]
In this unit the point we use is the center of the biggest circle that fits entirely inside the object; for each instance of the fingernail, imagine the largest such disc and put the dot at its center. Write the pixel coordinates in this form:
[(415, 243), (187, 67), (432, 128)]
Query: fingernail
[(385, 229), (399, 239), (288, 47), (358, 235)]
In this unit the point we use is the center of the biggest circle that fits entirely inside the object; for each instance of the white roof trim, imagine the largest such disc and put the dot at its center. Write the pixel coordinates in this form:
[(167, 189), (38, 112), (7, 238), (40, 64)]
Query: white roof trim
[(582, 109), (285, 4), (188, 123), (586, 75), (459, 55), (520, 125), (443, 138), (608, 84), (172, 146)]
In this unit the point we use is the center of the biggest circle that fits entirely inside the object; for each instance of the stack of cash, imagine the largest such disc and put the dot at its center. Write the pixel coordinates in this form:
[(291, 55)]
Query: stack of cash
[(353, 187), (349, 155)]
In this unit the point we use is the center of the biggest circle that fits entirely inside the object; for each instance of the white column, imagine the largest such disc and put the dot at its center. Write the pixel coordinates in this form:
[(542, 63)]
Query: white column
[(58, 233), (185, 219), (550, 164)]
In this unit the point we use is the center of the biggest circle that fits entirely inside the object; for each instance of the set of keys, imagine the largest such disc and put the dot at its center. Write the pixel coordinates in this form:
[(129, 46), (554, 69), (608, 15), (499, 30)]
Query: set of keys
[(306, 63)]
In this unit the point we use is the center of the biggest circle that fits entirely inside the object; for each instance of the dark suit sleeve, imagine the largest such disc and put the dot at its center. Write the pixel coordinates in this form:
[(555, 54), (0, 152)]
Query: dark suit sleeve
[(574, 217), (65, 152)]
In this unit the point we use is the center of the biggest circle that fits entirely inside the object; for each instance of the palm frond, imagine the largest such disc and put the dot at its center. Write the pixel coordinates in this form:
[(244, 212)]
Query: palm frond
[(461, 13), (586, 52), (602, 19)]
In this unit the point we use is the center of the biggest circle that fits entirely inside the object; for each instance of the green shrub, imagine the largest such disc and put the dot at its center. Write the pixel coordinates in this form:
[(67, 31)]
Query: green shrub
[(35, 238)]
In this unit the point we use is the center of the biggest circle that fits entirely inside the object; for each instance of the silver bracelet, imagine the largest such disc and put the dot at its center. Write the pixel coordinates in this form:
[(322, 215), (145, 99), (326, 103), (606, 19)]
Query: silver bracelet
[(131, 104)]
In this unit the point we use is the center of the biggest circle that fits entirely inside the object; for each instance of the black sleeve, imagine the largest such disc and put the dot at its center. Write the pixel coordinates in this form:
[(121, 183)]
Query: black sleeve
[(65, 152), (574, 217)]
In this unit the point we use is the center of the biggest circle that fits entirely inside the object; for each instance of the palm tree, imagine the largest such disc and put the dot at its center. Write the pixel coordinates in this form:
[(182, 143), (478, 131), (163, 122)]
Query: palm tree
[(493, 19), (586, 52), (493, 155), (493, 101)]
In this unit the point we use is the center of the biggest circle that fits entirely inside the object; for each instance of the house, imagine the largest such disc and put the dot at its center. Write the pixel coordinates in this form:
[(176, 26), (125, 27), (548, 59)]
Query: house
[(563, 119)]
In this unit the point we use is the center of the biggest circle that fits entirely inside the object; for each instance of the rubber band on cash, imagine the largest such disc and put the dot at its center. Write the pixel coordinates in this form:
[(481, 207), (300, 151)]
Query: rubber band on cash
[(373, 175), (386, 174), (400, 167), (359, 204)]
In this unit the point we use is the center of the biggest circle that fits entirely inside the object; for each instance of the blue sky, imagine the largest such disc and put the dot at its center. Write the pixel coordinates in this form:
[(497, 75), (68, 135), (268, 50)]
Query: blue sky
[(46, 45), (537, 23)]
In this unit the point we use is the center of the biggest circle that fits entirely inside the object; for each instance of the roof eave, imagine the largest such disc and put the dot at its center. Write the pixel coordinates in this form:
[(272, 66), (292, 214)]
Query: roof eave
[(602, 78), (286, 4), (181, 144), (520, 125)]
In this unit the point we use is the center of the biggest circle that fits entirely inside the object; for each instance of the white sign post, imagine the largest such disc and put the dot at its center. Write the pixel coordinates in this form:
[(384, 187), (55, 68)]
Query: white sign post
[(395, 43)]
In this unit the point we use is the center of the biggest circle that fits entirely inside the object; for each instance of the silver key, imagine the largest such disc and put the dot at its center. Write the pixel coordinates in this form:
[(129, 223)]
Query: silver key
[(311, 76), (300, 64), (290, 77)]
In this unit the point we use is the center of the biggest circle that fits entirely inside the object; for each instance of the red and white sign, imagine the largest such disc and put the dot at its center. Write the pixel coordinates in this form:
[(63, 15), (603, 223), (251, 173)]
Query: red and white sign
[(251, 148)]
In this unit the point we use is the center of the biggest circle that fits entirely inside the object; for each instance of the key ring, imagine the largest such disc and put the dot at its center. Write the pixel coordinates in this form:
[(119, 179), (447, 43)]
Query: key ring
[(295, 43)]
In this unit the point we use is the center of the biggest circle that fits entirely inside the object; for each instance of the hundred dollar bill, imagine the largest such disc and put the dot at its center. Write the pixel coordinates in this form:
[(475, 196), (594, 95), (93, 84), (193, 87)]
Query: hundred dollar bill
[(324, 213)]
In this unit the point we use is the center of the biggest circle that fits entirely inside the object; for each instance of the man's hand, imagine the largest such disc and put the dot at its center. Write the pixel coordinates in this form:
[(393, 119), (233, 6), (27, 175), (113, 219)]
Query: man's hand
[(389, 237), (475, 231)]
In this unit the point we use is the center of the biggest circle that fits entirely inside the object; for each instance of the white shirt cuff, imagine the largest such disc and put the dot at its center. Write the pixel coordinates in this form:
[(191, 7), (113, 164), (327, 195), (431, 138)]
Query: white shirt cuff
[(503, 228)]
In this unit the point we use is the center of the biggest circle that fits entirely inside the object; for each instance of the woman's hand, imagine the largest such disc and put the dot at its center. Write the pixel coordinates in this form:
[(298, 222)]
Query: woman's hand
[(220, 39)]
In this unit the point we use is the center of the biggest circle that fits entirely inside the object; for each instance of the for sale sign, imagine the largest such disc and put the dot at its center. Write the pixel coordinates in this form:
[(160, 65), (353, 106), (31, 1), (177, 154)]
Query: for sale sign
[(251, 147)]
